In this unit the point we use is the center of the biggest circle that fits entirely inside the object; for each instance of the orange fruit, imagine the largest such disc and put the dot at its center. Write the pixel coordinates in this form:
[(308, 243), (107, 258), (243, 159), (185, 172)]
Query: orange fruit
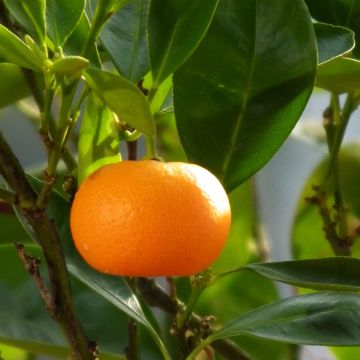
[(150, 218)]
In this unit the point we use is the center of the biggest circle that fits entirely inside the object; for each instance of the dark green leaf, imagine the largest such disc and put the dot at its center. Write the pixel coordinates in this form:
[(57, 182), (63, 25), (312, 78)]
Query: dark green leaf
[(237, 294), (30, 14), (13, 50), (175, 30), (339, 75), (338, 12), (333, 41), (124, 38), (123, 98), (331, 318), (69, 65), (62, 16), (99, 142), (13, 85), (335, 273), (245, 81)]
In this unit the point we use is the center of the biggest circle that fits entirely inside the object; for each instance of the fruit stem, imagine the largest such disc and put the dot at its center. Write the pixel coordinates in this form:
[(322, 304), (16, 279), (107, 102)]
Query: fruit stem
[(151, 152)]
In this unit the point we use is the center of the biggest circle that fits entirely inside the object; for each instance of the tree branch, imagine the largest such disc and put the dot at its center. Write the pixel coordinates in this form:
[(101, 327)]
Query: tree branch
[(155, 296), (48, 239)]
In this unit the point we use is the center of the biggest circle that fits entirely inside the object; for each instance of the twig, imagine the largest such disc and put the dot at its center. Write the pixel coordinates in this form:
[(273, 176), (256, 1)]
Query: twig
[(31, 264), (132, 351), (47, 236), (155, 296), (340, 245)]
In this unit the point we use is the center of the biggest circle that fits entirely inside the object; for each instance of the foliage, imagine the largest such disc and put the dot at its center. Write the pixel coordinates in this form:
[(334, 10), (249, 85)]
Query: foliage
[(220, 83)]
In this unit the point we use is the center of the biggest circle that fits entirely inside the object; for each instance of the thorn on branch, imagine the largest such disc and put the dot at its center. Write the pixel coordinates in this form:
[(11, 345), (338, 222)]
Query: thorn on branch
[(32, 264)]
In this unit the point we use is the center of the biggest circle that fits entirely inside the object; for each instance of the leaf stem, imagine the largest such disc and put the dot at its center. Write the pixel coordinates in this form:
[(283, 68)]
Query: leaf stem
[(151, 152), (101, 15)]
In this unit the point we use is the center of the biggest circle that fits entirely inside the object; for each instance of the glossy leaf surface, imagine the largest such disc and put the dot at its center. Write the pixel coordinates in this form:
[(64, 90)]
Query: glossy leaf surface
[(339, 75), (333, 41), (13, 50), (335, 273), (99, 142), (62, 16), (30, 14), (124, 38), (233, 112), (330, 318), (13, 85), (123, 98), (338, 12), (175, 30)]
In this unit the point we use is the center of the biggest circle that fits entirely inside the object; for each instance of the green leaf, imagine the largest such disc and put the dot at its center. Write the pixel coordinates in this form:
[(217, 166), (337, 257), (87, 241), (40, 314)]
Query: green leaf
[(62, 16), (124, 38), (335, 273), (175, 30), (75, 42), (239, 293), (99, 142), (339, 75), (338, 12), (161, 94), (331, 318), (69, 65), (13, 50), (123, 98), (30, 14), (244, 83), (13, 85), (333, 41)]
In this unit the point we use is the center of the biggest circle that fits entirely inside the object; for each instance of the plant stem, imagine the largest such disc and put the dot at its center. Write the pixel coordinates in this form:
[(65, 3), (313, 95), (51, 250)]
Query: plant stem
[(48, 239), (155, 296), (151, 152), (100, 16), (132, 351), (7, 196)]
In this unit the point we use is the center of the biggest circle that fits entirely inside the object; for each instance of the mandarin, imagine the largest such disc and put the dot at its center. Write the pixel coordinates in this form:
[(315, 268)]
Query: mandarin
[(150, 218)]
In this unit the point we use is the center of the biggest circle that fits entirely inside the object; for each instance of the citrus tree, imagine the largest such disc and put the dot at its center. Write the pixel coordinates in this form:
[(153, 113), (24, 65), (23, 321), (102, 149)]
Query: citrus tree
[(128, 255)]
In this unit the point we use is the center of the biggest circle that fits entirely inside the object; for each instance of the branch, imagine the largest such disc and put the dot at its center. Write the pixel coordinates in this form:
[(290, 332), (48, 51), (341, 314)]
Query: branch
[(31, 264), (155, 296), (48, 239)]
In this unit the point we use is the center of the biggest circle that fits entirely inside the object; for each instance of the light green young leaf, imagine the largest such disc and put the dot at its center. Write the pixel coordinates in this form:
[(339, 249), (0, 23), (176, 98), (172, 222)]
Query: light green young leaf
[(31, 15), (339, 75), (335, 273), (99, 142), (123, 98), (69, 65), (161, 94), (62, 16), (175, 30), (13, 85), (13, 50)]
